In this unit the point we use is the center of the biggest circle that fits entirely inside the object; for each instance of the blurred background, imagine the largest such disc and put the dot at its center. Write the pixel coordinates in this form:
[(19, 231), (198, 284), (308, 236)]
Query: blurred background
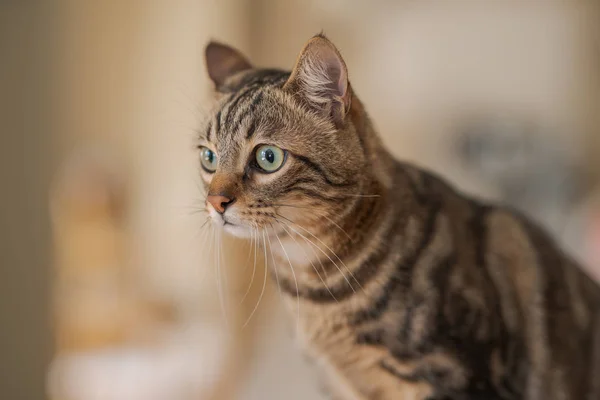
[(109, 284)]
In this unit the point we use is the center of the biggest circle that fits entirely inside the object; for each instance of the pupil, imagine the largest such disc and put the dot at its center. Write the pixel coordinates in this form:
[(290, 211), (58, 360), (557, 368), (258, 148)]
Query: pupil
[(208, 156), (269, 156)]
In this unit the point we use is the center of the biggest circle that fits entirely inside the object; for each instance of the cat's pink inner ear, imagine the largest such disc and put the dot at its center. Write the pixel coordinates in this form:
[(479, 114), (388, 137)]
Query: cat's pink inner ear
[(223, 61), (321, 76)]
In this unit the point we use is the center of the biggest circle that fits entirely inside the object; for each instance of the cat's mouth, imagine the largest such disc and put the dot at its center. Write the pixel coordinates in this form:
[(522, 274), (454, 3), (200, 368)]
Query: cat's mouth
[(234, 224), (223, 220), (230, 224), (241, 229)]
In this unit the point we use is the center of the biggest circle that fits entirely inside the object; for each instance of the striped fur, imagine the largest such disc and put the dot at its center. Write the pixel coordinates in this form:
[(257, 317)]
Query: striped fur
[(405, 288)]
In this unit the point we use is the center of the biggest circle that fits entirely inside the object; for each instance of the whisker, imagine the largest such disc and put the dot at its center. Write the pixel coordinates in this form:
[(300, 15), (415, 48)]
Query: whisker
[(192, 207), (205, 222), (311, 263), (274, 266), (249, 250), (320, 215), (262, 291), (224, 270), (295, 282), (254, 229), (311, 245), (198, 211), (204, 239), (219, 283), (324, 244), (324, 253)]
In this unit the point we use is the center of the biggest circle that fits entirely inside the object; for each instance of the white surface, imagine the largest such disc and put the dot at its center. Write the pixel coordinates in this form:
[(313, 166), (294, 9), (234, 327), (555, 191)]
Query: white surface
[(179, 369)]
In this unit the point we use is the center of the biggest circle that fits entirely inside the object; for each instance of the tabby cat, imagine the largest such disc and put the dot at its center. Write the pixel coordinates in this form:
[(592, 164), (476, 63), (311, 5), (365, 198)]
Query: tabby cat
[(402, 287)]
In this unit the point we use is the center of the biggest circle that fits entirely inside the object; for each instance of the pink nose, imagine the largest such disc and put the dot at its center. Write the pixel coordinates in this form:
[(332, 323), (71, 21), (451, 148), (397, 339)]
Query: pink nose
[(219, 202)]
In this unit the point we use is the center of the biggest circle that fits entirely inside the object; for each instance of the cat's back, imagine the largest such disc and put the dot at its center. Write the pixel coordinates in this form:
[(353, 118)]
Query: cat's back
[(538, 311)]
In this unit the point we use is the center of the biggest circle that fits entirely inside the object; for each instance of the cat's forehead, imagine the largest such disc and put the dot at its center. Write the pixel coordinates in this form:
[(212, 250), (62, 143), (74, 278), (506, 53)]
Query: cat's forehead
[(244, 101), (253, 106)]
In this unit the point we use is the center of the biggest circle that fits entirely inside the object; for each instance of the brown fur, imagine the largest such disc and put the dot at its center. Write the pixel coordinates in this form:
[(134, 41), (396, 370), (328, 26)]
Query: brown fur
[(402, 288)]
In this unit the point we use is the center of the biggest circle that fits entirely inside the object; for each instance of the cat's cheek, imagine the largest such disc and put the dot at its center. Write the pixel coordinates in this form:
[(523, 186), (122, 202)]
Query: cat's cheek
[(261, 178), (206, 178)]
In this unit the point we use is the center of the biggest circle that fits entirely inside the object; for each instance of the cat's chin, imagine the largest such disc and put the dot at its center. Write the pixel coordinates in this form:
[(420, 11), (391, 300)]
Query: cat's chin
[(238, 230), (246, 232)]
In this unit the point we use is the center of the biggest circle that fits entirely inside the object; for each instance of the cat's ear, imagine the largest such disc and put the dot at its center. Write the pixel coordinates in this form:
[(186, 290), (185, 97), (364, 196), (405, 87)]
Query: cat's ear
[(223, 61), (320, 78)]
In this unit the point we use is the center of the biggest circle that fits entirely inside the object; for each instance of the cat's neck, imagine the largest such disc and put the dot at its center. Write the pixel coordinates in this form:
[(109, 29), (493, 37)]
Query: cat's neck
[(380, 162), (324, 250), (334, 233)]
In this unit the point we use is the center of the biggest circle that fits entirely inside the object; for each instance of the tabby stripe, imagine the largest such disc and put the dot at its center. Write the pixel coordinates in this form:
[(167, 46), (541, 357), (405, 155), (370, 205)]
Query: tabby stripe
[(516, 368), (378, 252), (218, 123), (208, 131), (363, 274), (371, 338), (341, 210), (511, 347), (262, 78), (278, 80), (315, 194), (556, 303), (389, 368), (550, 261), (381, 303), (249, 111), (358, 213), (342, 290), (414, 187), (312, 193), (293, 186), (251, 129), (232, 105), (479, 232), (438, 276), (442, 377), (290, 185), (321, 172), (593, 381)]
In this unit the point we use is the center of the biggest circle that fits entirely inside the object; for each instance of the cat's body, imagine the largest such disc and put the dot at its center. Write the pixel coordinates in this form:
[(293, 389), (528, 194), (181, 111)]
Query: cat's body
[(401, 287), (464, 301)]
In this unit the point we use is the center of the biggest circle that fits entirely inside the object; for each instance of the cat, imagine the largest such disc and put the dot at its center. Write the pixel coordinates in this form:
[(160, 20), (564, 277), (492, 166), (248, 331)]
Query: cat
[(401, 286)]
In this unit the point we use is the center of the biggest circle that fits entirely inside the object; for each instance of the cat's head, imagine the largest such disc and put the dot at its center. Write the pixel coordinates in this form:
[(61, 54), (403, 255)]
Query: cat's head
[(279, 147)]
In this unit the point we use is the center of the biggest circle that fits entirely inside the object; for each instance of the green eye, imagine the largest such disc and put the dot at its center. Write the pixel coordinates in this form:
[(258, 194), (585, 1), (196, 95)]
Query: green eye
[(269, 158), (208, 159)]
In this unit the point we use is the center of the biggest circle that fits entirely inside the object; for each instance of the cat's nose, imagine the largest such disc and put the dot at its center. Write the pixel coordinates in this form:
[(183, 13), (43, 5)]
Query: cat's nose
[(220, 203)]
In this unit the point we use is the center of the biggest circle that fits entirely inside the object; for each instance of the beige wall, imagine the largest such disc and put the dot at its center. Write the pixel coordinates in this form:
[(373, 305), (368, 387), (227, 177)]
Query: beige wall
[(26, 129), (133, 86)]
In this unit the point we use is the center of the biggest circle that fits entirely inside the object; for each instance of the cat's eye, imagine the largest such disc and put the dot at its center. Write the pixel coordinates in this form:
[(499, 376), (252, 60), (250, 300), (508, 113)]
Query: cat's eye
[(269, 158), (208, 159)]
